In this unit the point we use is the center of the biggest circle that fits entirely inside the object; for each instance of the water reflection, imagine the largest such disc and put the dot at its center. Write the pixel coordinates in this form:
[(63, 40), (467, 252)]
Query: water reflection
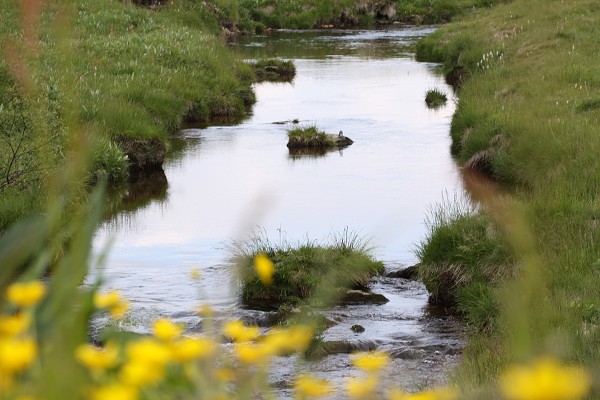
[(224, 181)]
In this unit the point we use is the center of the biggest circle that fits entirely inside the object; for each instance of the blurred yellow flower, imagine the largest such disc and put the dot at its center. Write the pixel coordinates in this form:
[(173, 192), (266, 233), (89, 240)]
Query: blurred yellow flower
[(112, 300), (148, 351), (16, 354), (166, 330), (97, 359), (12, 325), (546, 379), (251, 353), (138, 373), (225, 374), (290, 340), (359, 388), (195, 274), (206, 311), (264, 268), (239, 332), (115, 391), (307, 386), (189, 349), (371, 361), (26, 294)]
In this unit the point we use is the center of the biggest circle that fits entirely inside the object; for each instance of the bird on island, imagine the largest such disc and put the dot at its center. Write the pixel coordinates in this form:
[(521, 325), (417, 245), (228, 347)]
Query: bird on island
[(341, 134)]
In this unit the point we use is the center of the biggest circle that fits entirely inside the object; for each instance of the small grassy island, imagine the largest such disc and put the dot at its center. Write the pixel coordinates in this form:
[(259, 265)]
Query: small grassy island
[(311, 137), (273, 70), (306, 271), (435, 98)]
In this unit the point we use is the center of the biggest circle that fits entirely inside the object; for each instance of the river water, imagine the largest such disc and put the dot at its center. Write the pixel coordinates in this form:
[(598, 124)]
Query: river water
[(225, 183)]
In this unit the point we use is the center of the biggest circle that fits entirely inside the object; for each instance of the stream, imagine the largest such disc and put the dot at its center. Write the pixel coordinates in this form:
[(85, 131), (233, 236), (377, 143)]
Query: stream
[(226, 183)]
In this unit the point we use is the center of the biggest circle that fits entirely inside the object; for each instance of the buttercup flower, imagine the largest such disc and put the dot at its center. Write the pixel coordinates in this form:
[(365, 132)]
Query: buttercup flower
[(26, 294), (16, 354), (371, 361), (166, 330), (359, 388), (264, 268), (546, 379), (148, 351), (12, 325), (139, 373), (116, 305), (115, 391), (239, 332), (251, 353), (189, 349), (307, 386), (97, 359)]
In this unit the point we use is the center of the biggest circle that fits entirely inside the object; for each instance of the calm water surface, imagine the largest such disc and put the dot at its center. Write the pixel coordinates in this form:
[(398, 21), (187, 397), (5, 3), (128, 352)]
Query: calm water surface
[(225, 182)]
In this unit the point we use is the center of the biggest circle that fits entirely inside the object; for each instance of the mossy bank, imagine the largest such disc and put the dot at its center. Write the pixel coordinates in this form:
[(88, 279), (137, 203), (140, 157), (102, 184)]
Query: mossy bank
[(526, 117)]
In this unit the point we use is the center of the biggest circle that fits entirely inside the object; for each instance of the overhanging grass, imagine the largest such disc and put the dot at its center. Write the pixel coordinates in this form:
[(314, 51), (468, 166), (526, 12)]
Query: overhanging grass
[(305, 270), (528, 115)]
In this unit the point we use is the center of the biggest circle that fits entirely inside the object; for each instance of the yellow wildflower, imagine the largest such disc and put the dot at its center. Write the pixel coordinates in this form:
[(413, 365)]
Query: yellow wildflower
[(307, 386), (12, 325), (26, 294), (371, 361), (112, 300), (115, 391), (139, 373), (546, 379), (97, 359), (361, 387), (119, 310), (251, 353), (264, 268), (240, 333), (166, 330), (16, 354), (189, 349), (148, 351)]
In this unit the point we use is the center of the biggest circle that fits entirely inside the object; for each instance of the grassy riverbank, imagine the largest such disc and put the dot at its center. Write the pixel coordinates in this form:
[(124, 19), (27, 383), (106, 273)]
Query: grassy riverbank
[(130, 75), (528, 116), (253, 15)]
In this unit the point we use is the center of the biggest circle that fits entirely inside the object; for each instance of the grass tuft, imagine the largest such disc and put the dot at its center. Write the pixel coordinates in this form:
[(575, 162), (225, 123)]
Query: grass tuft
[(305, 270), (435, 98)]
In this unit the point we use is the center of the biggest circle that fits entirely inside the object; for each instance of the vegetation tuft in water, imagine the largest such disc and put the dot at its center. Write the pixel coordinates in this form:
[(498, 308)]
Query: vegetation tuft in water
[(309, 136), (308, 270), (273, 70), (435, 98)]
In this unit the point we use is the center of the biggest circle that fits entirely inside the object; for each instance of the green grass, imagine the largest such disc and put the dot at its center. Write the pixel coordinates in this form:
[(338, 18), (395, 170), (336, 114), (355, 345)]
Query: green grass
[(435, 98), (309, 137), (464, 256), (306, 14), (305, 270), (135, 74), (529, 117)]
